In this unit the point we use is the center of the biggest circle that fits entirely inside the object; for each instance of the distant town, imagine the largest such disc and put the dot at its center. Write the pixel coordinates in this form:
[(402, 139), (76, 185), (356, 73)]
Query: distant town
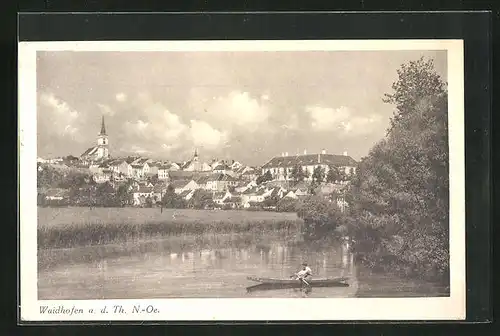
[(95, 179)]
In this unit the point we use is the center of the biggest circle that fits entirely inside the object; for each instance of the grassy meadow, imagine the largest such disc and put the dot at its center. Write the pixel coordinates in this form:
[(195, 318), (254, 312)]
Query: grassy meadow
[(78, 226)]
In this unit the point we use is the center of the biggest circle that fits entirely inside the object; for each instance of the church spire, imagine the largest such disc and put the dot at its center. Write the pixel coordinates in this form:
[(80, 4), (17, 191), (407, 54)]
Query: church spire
[(195, 157), (103, 127)]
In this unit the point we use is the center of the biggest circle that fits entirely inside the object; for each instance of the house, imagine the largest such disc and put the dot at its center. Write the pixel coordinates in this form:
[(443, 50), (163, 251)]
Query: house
[(220, 182), (244, 185), (277, 192), (233, 201), (141, 195), (301, 192), (220, 197), (281, 167), (253, 195), (103, 175), (174, 166), (249, 174), (186, 175), (182, 185), (158, 191), (221, 168), (241, 186), (153, 168), (163, 172), (137, 170), (291, 194), (236, 165), (202, 181), (187, 194), (121, 167)]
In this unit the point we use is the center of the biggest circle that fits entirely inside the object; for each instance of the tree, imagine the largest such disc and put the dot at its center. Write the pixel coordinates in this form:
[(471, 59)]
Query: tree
[(400, 196), (123, 196), (320, 217), (298, 174), (201, 199), (264, 178), (153, 179), (172, 200), (318, 175), (417, 80), (105, 195), (286, 204), (333, 174)]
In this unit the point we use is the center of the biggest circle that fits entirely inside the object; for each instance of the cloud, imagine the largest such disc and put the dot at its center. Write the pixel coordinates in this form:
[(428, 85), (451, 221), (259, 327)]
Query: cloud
[(57, 118), (342, 119), (237, 110), (135, 149), (292, 124), (158, 129), (204, 135), (106, 110), (121, 97), (326, 118)]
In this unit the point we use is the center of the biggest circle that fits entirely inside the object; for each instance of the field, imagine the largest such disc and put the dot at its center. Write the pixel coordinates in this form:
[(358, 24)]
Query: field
[(71, 227)]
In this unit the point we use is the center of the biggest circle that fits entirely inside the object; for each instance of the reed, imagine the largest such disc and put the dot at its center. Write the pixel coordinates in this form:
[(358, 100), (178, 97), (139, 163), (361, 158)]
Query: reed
[(72, 227)]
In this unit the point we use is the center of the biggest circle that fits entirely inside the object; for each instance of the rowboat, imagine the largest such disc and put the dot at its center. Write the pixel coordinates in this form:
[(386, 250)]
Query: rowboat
[(274, 283)]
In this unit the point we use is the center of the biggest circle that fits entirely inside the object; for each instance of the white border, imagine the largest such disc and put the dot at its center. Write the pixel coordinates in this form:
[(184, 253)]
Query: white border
[(448, 308)]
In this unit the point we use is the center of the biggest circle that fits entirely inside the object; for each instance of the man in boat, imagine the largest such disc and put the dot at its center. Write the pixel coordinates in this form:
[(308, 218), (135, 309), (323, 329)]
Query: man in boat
[(305, 273)]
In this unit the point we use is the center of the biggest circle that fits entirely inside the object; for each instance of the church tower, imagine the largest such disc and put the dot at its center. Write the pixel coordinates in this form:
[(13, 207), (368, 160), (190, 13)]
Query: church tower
[(195, 158), (102, 143)]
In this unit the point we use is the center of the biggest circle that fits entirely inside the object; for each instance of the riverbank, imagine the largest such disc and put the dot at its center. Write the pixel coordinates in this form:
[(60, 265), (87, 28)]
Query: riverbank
[(74, 227)]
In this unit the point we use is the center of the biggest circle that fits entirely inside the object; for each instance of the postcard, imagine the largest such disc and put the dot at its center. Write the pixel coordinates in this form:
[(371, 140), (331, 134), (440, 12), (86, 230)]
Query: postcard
[(242, 180)]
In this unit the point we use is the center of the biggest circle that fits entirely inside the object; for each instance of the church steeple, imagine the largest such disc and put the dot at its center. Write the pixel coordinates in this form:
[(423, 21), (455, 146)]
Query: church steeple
[(103, 127), (195, 154)]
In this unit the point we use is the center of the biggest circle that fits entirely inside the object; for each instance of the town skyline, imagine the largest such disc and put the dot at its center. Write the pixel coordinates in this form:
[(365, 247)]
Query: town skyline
[(165, 105)]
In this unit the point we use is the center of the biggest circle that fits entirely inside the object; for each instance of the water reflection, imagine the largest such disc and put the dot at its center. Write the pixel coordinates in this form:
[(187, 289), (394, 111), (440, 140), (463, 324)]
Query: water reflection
[(162, 269)]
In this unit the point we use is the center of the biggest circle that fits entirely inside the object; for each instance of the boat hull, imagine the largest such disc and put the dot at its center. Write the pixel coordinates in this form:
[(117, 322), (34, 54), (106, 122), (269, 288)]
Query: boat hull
[(270, 283), (312, 282)]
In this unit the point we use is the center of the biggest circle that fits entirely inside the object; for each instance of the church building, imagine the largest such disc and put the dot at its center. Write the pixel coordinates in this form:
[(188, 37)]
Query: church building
[(195, 165), (101, 151)]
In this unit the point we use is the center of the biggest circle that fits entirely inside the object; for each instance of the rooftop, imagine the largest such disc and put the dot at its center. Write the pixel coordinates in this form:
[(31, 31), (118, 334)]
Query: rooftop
[(309, 160)]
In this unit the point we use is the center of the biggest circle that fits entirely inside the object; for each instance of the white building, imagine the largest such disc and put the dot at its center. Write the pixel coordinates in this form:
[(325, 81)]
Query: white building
[(99, 152), (281, 167)]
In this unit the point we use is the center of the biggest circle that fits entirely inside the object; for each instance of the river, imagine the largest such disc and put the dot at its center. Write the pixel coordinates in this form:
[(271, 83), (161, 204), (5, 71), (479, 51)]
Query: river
[(159, 269)]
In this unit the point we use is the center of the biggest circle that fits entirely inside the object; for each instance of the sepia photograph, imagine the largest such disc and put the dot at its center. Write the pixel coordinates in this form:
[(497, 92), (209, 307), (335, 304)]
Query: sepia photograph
[(242, 170)]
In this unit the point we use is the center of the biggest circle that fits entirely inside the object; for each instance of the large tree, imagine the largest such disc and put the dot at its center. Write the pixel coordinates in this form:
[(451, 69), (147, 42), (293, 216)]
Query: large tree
[(172, 200), (297, 174), (333, 174), (318, 175), (400, 198)]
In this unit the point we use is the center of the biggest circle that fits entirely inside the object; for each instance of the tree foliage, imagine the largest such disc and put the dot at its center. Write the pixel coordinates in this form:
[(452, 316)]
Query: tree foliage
[(287, 204), (264, 178), (333, 174), (201, 199), (400, 196), (172, 200), (320, 217), (297, 174), (318, 174)]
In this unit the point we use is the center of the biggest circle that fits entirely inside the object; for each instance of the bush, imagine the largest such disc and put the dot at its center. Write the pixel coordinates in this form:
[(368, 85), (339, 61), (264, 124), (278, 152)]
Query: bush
[(321, 218), (287, 204)]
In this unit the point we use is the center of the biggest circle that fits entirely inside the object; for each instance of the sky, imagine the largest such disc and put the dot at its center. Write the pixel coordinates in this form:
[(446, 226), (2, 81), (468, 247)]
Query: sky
[(246, 106)]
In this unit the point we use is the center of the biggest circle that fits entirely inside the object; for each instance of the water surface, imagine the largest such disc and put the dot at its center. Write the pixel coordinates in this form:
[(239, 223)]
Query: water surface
[(163, 269)]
